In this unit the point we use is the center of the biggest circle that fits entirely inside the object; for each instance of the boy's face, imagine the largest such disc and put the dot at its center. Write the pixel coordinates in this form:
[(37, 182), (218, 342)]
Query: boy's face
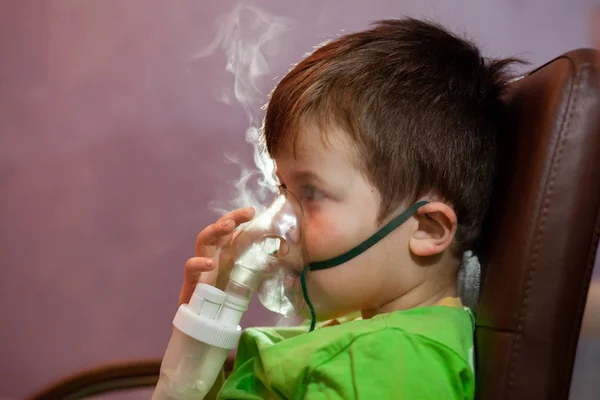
[(340, 211)]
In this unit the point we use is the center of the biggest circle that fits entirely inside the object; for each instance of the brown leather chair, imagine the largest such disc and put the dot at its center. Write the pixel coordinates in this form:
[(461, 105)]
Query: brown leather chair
[(540, 244), (538, 248), (114, 377)]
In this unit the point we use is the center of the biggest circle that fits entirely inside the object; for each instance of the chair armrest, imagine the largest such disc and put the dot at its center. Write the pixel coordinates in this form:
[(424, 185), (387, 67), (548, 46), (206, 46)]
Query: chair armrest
[(109, 378)]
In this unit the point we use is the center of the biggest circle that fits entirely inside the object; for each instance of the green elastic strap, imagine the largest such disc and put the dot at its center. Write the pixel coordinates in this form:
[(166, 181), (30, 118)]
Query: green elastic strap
[(350, 254)]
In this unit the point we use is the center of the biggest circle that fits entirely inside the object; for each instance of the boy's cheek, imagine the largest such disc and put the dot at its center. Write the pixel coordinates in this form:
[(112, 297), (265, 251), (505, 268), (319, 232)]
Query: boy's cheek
[(326, 238), (322, 244)]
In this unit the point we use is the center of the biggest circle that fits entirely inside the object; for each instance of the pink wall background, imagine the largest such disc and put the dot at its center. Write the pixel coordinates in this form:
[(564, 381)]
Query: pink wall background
[(111, 148)]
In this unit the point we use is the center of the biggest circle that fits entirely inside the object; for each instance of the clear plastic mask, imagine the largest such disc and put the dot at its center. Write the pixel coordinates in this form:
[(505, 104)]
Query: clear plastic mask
[(268, 256)]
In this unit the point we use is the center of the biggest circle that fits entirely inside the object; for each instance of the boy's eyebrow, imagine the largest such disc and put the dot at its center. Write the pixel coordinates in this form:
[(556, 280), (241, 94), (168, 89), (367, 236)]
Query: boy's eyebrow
[(303, 176), (306, 176)]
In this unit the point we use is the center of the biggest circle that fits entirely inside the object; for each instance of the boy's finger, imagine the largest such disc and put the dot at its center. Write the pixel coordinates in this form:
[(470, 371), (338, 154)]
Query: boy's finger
[(239, 216), (192, 274), (195, 266), (210, 235)]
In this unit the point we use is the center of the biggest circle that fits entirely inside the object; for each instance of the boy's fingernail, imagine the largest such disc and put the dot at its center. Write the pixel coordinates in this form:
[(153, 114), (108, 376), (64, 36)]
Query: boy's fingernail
[(209, 263)]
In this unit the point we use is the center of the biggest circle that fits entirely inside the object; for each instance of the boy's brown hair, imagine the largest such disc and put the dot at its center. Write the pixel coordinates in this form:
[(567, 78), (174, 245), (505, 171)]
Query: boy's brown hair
[(422, 106)]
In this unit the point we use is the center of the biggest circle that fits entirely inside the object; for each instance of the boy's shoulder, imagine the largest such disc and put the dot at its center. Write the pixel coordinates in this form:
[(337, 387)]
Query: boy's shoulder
[(432, 340)]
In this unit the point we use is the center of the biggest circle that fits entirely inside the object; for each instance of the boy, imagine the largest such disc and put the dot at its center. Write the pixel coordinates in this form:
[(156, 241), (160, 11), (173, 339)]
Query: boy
[(362, 129)]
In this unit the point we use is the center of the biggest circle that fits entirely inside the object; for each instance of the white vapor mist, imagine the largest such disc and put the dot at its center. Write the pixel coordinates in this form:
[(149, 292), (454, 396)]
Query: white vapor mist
[(249, 36)]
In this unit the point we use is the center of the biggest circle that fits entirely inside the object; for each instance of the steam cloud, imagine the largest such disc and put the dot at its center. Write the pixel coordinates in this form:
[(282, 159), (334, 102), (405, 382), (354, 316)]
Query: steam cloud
[(248, 36)]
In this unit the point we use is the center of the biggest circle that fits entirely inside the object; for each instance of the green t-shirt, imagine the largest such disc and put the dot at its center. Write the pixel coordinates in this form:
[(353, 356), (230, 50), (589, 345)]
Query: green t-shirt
[(420, 353)]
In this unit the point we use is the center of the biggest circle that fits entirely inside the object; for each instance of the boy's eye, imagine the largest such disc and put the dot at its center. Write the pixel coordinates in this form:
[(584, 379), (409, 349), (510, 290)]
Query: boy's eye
[(306, 192), (311, 193)]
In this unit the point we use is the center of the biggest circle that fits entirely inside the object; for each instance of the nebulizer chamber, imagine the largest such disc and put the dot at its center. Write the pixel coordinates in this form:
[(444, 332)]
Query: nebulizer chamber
[(268, 257)]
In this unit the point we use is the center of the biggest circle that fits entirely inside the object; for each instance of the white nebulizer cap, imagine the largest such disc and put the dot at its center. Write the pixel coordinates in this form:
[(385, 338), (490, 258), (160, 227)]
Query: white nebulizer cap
[(199, 318)]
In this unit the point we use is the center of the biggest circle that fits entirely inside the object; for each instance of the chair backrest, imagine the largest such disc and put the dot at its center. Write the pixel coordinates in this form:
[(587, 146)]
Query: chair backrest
[(541, 237)]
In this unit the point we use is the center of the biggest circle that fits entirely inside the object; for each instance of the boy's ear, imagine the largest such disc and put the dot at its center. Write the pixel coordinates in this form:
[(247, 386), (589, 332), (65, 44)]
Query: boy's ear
[(435, 230)]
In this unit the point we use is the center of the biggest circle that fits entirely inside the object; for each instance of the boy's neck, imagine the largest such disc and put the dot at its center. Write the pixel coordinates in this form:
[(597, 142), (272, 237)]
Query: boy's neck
[(428, 293)]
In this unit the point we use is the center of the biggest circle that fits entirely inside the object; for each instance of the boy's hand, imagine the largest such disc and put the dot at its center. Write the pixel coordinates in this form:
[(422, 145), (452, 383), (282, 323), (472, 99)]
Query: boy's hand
[(203, 268)]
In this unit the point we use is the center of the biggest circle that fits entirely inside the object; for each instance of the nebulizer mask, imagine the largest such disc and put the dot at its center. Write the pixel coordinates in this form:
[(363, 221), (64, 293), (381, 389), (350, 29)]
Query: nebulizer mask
[(269, 257)]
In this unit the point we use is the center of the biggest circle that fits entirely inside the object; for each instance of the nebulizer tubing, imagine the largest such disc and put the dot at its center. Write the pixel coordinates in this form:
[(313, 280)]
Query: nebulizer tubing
[(267, 255)]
